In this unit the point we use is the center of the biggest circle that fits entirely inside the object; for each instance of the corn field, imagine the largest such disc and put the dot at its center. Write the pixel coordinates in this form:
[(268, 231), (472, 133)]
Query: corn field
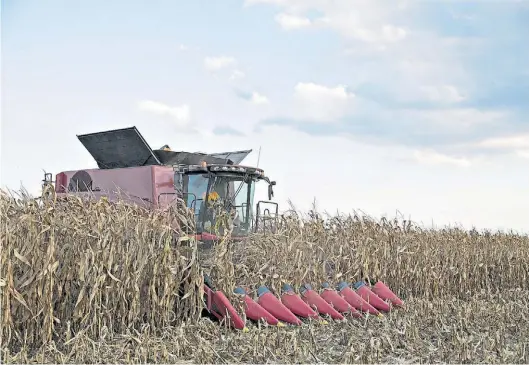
[(89, 281)]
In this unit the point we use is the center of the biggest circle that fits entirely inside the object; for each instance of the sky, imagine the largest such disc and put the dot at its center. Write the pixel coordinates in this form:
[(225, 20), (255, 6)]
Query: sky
[(412, 108)]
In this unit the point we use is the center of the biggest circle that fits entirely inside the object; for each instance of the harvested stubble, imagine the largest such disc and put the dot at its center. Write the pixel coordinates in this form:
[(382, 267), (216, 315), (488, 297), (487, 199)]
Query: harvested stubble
[(481, 329), (466, 291), (79, 266)]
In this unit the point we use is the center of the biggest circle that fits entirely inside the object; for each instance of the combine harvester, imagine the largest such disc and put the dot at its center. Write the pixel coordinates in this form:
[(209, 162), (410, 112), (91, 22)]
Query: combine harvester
[(129, 169)]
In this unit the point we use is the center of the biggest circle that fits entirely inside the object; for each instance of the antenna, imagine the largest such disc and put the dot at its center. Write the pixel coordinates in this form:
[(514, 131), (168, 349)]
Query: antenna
[(258, 157)]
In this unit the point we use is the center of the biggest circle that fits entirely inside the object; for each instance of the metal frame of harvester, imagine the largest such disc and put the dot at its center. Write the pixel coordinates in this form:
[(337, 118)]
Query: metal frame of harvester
[(156, 178)]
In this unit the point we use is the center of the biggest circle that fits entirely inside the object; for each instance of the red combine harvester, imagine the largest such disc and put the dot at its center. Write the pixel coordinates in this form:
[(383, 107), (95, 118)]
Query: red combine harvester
[(128, 169)]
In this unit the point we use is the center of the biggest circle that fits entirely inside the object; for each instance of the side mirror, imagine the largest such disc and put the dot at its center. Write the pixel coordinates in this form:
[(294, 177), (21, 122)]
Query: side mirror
[(271, 190)]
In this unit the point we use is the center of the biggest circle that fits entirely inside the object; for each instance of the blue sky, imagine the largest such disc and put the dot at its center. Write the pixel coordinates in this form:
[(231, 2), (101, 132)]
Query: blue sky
[(415, 106)]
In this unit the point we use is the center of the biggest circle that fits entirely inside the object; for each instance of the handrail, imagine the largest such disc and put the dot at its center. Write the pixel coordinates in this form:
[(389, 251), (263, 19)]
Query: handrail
[(266, 216)]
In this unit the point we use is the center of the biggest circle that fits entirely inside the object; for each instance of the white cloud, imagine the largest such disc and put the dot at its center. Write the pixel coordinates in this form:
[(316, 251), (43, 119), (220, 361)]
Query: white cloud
[(443, 93), (455, 118), (423, 69), (257, 98), (421, 65), (523, 153), (376, 35), (181, 114), (392, 33), (431, 157), (183, 47), (237, 74), (461, 16), (365, 51), (363, 20), (515, 142), (314, 92), (288, 21), (319, 102), (218, 63)]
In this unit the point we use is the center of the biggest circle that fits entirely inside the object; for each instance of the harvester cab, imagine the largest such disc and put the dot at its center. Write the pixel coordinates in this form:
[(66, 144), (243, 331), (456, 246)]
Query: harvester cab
[(225, 192), (215, 186)]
